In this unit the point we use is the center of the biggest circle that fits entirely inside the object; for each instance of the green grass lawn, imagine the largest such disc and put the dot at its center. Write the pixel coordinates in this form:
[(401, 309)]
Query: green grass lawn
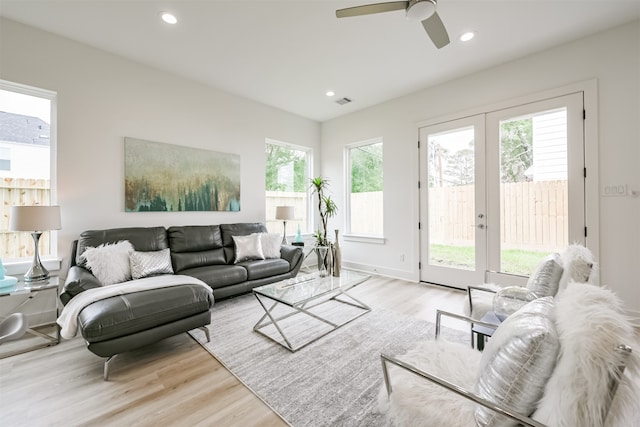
[(514, 261)]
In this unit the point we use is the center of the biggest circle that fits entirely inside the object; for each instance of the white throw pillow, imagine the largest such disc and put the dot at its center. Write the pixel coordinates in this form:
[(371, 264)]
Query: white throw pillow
[(248, 247), (110, 262), (145, 264), (517, 362), (271, 243)]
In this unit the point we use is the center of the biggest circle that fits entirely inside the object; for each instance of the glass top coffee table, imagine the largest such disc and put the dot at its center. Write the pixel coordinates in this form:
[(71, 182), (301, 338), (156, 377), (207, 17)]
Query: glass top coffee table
[(301, 310)]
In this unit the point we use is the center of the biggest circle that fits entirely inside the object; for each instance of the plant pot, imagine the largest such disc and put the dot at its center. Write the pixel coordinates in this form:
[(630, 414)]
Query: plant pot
[(325, 263)]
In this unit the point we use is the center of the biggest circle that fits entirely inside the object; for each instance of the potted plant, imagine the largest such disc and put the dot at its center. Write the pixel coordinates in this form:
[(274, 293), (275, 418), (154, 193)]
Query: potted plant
[(327, 209)]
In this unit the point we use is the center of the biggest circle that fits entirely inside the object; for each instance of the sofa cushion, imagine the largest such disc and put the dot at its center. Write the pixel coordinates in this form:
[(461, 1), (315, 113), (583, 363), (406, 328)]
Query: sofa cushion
[(195, 246), (127, 314), (142, 239), (265, 268), (195, 238), (218, 276)]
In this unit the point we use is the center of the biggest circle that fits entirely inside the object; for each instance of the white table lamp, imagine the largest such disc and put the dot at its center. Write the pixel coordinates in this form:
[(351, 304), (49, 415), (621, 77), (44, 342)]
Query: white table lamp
[(35, 219), (285, 213)]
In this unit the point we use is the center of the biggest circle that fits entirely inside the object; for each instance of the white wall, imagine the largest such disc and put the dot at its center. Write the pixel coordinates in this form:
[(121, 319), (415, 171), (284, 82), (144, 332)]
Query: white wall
[(102, 98), (612, 57)]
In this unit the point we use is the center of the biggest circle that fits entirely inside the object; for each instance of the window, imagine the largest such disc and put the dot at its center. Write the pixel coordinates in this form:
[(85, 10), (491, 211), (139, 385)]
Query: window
[(288, 170), (364, 188), (26, 156), (5, 159)]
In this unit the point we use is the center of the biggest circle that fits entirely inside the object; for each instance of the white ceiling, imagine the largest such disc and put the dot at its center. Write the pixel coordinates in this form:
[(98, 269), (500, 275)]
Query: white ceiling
[(288, 53)]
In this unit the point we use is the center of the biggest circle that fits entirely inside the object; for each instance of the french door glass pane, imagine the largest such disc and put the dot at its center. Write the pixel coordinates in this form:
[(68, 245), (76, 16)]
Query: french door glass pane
[(533, 189), (451, 198)]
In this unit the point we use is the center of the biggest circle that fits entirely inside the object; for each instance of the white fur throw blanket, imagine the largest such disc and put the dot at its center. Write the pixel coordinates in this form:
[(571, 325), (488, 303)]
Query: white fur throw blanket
[(68, 320)]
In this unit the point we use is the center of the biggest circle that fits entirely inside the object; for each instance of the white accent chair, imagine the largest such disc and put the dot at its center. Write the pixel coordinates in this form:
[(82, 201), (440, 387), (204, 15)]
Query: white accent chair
[(555, 362), (552, 275)]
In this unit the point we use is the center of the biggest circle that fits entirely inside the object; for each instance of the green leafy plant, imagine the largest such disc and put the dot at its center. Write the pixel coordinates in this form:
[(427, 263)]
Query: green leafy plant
[(327, 208)]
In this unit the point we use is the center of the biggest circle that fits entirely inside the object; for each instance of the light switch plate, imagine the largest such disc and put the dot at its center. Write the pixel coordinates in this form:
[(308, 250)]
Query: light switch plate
[(618, 190)]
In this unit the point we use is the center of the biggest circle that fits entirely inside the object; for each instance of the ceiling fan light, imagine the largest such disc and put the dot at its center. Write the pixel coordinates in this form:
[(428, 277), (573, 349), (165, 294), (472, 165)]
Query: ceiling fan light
[(421, 10)]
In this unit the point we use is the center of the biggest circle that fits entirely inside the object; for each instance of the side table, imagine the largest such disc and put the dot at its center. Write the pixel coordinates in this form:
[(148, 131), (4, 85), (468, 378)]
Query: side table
[(483, 332), (20, 298)]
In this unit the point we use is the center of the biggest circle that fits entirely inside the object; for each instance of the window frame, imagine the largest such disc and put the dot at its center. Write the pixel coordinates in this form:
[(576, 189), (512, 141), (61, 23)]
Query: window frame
[(52, 261), (348, 234), (309, 173)]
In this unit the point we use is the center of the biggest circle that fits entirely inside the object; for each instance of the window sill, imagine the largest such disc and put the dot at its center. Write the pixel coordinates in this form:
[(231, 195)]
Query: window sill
[(378, 240)]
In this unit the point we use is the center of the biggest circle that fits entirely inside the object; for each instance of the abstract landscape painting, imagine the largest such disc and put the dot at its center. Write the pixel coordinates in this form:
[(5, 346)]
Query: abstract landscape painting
[(167, 177)]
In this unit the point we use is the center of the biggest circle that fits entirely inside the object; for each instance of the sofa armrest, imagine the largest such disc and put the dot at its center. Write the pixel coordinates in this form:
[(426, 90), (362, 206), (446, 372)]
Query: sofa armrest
[(78, 280), (291, 254)]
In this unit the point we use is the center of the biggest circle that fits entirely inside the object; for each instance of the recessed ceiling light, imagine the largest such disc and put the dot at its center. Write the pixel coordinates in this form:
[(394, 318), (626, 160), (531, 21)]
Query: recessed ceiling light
[(465, 37), (330, 93), (169, 18)]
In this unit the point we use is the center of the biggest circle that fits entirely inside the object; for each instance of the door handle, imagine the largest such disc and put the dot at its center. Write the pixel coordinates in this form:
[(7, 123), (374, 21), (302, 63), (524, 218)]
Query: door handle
[(480, 226)]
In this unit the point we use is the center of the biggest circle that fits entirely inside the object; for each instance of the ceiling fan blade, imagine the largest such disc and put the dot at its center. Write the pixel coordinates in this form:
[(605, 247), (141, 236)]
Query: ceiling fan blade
[(368, 9), (435, 28)]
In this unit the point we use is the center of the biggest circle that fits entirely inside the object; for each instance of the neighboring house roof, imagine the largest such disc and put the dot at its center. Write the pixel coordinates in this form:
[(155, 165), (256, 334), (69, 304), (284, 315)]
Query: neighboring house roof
[(24, 129)]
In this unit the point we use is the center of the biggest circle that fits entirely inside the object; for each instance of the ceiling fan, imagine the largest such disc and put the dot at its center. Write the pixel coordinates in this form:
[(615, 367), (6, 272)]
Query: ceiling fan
[(423, 10)]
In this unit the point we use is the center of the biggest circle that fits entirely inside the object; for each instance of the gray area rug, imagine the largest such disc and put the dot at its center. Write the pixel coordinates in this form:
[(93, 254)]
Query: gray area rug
[(333, 381)]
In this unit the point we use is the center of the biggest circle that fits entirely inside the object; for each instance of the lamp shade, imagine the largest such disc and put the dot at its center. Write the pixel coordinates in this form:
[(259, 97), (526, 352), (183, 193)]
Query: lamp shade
[(285, 212), (34, 218)]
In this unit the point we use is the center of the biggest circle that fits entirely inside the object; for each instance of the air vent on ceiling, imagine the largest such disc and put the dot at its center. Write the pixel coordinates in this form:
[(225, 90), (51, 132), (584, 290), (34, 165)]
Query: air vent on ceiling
[(343, 101)]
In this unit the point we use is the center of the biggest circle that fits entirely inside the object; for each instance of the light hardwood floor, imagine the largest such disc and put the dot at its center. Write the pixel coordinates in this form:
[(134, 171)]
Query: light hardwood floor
[(172, 383)]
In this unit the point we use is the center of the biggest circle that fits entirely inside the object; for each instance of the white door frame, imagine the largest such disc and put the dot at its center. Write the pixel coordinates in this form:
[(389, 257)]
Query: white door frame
[(589, 89)]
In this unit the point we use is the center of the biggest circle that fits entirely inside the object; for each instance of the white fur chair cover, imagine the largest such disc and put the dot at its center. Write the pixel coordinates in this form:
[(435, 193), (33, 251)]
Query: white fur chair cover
[(591, 324), (416, 402), (579, 266)]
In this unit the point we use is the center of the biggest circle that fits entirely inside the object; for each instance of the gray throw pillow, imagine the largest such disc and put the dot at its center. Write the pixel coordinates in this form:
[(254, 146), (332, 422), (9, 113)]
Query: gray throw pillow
[(145, 264), (517, 362)]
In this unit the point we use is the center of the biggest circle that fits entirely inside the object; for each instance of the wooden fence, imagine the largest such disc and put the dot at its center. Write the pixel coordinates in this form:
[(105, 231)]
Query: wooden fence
[(367, 206), (21, 192), (535, 215)]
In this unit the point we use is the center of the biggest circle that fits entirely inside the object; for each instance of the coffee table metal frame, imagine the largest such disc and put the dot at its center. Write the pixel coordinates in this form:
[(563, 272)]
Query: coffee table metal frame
[(303, 306)]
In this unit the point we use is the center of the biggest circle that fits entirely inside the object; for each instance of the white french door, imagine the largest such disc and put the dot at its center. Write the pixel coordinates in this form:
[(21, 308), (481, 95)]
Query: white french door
[(452, 202), (500, 190)]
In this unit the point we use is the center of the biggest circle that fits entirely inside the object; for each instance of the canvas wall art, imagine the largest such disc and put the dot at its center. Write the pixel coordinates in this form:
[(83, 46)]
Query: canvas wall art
[(167, 177)]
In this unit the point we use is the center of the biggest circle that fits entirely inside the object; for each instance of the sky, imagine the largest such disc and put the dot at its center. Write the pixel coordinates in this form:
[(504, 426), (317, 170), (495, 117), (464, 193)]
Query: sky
[(17, 103)]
